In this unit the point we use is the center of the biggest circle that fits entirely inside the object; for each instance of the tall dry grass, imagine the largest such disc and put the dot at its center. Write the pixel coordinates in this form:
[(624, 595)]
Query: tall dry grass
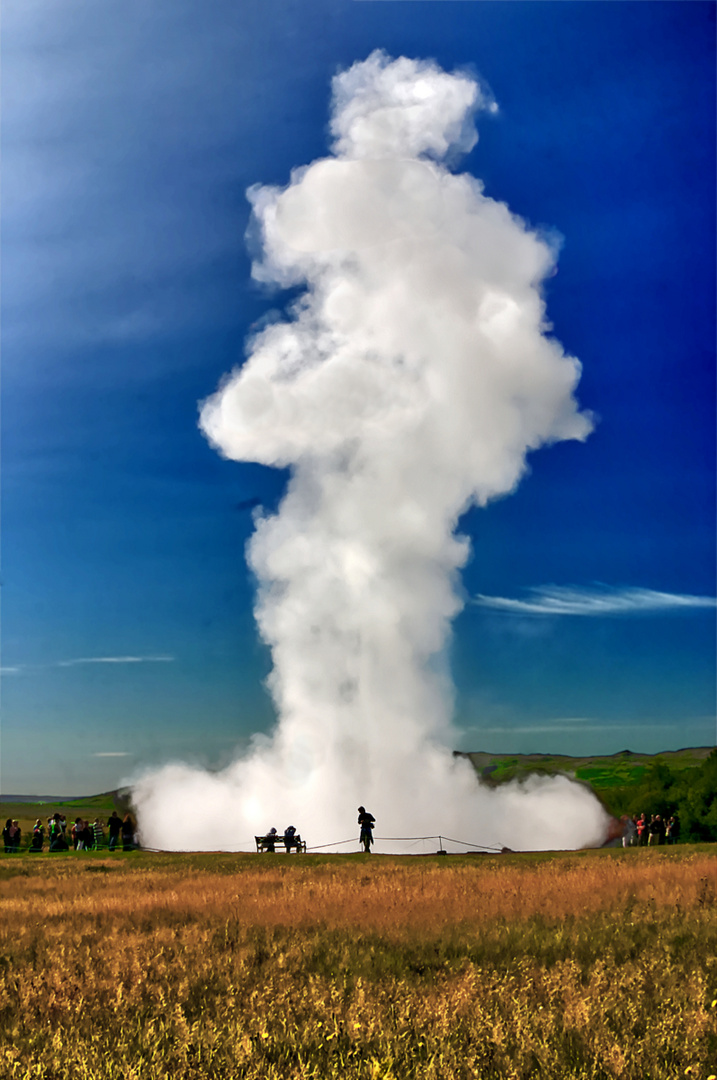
[(593, 965)]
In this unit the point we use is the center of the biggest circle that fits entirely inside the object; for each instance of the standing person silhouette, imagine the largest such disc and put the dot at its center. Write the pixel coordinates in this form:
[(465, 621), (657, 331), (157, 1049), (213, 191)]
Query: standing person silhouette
[(127, 830), (366, 821), (114, 826)]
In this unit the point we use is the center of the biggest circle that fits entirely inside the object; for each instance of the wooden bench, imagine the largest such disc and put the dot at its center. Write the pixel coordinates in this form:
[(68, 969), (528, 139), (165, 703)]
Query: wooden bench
[(271, 842)]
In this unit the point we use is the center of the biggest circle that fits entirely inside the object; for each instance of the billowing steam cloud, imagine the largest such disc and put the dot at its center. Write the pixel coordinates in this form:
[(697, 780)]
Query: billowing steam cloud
[(413, 377)]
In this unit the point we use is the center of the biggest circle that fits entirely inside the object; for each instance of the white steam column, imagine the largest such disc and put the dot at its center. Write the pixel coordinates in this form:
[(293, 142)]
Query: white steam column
[(410, 382)]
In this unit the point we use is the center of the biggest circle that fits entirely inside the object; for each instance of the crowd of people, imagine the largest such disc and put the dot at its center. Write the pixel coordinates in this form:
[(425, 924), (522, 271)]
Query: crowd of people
[(643, 830), (82, 835)]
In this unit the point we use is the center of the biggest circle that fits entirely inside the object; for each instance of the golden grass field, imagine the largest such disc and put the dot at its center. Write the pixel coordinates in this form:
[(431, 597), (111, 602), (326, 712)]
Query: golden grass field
[(141, 966)]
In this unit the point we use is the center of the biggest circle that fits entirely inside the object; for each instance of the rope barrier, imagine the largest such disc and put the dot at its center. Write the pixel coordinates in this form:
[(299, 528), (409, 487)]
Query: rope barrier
[(356, 840), (409, 839), (337, 843), (486, 847)]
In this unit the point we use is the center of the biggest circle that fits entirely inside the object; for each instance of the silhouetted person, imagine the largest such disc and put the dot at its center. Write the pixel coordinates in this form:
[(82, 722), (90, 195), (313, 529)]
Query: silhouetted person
[(114, 828), (57, 834), (38, 836), (98, 834), (88, 837), (127, 833), (7, 835), (78, 840), (270, 841), (655, 830), (366, 821), (289, 841)]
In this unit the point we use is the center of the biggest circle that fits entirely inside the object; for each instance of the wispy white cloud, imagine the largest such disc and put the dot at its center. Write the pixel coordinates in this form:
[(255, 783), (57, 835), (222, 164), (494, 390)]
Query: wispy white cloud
[(114, 660), (560, 726), (595, 600), (585, 726), (112, 753), (16, 669)]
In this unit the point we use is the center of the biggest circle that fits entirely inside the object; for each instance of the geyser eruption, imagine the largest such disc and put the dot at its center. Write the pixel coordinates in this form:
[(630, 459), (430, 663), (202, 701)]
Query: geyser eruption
[(410, 381)]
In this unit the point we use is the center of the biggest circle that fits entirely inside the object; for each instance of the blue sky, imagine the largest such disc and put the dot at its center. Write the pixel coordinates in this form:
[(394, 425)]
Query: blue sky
[(130, 135)]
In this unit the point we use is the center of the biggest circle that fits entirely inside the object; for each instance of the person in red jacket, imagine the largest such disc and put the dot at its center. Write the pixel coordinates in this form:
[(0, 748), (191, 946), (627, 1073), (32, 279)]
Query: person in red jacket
[(641, 830)]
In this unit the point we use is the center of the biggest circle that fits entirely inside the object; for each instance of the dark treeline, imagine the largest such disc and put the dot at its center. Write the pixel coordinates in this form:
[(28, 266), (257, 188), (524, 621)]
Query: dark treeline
[(689, 794)]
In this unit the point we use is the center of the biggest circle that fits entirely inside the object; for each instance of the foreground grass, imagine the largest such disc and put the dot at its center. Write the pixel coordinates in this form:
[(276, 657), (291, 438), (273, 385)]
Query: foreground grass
[(591, 965)]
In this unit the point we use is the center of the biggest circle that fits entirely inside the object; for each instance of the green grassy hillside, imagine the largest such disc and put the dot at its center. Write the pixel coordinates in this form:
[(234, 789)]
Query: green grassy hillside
[(604, 774), (679, 782), (88, 808)]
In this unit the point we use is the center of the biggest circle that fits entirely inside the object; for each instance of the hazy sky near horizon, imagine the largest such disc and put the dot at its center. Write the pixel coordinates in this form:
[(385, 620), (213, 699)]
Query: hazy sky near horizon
[(131, 133)]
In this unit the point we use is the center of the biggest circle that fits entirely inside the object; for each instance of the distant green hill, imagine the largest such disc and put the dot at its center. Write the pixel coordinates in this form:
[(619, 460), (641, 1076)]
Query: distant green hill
[(621, 770), (682, 782)]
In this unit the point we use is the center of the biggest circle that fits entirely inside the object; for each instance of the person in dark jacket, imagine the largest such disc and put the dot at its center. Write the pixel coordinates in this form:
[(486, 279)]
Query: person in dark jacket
[(38, 836), (367, 822), (88, 836), (15, 835), (657, 831), (114, 828), (128, 833), (78, 840)]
